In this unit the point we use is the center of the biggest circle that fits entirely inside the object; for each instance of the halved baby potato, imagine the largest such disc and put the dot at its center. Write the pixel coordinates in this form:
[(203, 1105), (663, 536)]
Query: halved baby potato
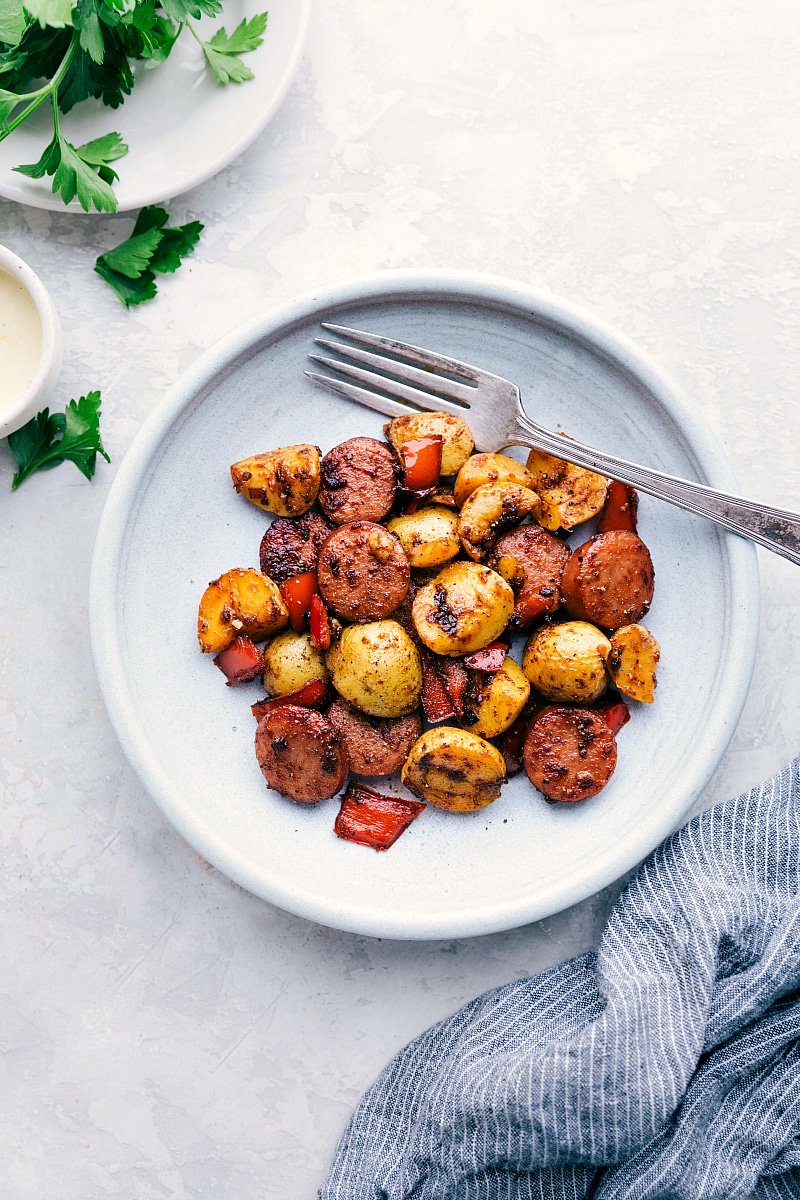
[(283, 481), (429, 536), (632, 662), (454, 769), (377, 668), (569, 494), (290, 662), (457, 443), (489, 468), (568, 661), (489, 511), (500, 700), (464, 608), (241, 601)]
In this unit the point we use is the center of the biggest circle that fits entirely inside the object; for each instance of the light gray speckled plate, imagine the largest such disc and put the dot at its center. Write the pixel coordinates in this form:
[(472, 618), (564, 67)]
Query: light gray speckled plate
[(173, 522)]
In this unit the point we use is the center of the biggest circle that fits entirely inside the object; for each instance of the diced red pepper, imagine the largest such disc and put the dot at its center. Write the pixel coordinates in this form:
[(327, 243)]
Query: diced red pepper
[(298, 591), (490, 659), (311, 695), (320, 625), (422, 462), (532, 608), (436, 701), (620, 508), (512, 744), (372, 819), (454, 676), (614, 712), (241, 661)]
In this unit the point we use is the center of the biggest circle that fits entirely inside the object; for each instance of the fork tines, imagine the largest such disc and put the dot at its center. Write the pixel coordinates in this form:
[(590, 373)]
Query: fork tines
[(383, 375)]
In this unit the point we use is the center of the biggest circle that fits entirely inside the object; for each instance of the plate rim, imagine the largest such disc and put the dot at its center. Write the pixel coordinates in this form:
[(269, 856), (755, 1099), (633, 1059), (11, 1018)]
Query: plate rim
[(47, 201), (120, 504)]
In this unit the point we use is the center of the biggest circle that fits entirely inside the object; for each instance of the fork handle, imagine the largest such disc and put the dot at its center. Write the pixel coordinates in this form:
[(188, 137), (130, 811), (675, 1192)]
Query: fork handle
[(776, 528)]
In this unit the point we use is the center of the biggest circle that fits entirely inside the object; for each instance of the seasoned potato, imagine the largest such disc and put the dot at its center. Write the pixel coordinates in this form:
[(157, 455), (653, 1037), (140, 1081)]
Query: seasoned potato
[(290, 662), (499, 702), (240, 601), (569, 494), (454, 769), (489, 511), (429, 536), (284, 481), (463, 609), (489, 468), (457, 443), (633, 660), (376, 667), (568, 662)]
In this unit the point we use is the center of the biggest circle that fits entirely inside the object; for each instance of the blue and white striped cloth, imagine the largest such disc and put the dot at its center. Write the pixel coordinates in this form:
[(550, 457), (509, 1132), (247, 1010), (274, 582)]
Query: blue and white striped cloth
[(665, 1065)]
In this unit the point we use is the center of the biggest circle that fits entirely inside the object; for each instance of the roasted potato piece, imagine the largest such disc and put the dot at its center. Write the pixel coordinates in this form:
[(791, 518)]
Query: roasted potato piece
[(489, 511), (284, 481), (240, 601), (377, 668), (489, 468), (464, 608), (632, 662), (568, 662), (290, 662), (454, 769), (569, 494), (457, 443), (429, 536), (498, 702)]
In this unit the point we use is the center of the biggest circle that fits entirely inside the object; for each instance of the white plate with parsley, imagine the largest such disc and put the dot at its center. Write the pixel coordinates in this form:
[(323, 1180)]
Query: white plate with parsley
[(181, 122)]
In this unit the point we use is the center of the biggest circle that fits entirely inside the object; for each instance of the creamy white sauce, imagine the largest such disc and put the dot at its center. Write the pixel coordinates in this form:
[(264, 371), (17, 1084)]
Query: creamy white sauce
[(20, 340)]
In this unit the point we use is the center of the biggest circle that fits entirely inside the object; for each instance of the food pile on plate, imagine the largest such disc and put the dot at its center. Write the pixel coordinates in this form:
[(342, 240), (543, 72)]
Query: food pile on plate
[(393, 579)]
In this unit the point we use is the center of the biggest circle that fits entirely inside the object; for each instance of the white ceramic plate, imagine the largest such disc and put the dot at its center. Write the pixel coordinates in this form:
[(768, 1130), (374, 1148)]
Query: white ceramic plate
[(180, 126), (173, 522)]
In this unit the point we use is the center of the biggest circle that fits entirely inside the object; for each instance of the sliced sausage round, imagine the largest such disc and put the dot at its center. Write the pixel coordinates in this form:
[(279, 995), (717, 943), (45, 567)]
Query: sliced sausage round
[(609, 580), (359, 481), (375, 745), (535, 573), (291, 545), (569, 753), (301, 754), (363, 573)]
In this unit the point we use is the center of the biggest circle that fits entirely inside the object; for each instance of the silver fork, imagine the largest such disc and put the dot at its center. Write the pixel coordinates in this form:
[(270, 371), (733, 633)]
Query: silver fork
[(493, 408)]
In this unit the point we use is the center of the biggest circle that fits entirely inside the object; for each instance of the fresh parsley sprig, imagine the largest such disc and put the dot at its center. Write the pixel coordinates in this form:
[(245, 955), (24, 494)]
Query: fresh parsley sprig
[(58, 53), (52, 438), (130, 268)]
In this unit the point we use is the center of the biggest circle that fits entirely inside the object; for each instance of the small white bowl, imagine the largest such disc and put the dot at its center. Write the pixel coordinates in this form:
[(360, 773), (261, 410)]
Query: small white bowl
[(38, 391)]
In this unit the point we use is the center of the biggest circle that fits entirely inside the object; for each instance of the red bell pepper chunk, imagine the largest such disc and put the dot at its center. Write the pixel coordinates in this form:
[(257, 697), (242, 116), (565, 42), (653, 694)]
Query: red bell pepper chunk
[(436, 701), (490, 659), (614, 712), (372, 819), (320, 625), (241, 661), (422, 462), (311, 695), (512, 744), (455, 678), (620, 508), (298, 591)]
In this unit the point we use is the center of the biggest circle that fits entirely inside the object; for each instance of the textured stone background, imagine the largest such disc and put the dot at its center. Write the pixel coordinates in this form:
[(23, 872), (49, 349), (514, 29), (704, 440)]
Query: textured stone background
[(164, 1033)]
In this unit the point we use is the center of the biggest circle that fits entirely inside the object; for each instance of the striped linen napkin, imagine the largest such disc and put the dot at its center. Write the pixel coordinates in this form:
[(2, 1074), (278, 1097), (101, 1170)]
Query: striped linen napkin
[(665, 1065)]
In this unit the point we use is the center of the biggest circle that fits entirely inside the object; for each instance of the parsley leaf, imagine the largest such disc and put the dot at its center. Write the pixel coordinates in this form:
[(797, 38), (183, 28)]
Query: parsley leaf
[(179, 10), (49, 439), (55, 13), (12, 22), (153, 246), (222, 50), (81, 171)]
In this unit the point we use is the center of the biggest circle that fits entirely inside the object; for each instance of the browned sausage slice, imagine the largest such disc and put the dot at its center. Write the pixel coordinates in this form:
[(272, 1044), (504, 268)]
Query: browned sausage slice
[(363, 573), (291, 545), (569, 754), (532, 561), (375, 745), (300, 753), (359, 481), (609, 580)]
